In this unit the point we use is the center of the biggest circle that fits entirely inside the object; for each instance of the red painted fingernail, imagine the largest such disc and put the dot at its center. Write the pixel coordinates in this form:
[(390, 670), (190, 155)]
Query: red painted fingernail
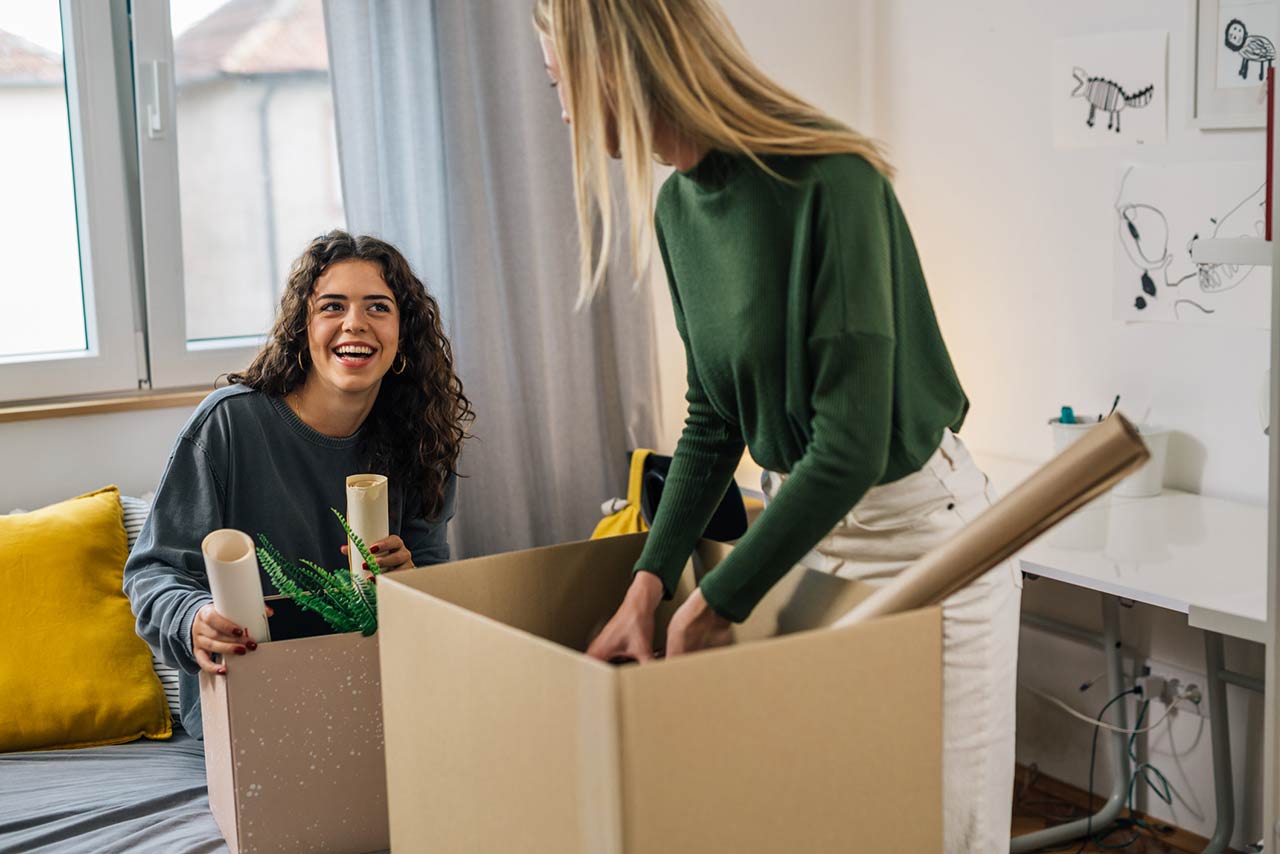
[(222, 671), (237, 632), (373, 549), (252, 645), (365, 565), (239, 650)]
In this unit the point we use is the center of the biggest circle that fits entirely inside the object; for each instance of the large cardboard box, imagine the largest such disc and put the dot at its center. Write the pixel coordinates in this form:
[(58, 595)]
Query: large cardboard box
[(293, 747), (503, 737)]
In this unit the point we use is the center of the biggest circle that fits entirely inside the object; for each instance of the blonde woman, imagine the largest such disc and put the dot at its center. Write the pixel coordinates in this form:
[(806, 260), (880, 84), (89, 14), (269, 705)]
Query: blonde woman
[(811, 341)]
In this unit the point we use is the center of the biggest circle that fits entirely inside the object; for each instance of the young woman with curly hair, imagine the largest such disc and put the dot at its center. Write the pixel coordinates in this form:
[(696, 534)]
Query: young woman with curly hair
[(811, 342), (356, 376)]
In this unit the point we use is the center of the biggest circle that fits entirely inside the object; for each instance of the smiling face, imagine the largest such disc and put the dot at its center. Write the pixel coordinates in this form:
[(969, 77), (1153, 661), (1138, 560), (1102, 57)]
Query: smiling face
[(353, 328)]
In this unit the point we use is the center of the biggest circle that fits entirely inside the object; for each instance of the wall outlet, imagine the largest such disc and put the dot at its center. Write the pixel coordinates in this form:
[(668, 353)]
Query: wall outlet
[(1154, 687), (1164, 683)]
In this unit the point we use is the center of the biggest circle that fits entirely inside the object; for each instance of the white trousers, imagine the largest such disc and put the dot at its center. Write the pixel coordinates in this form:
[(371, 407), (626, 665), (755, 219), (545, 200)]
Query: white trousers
[(890, 528)]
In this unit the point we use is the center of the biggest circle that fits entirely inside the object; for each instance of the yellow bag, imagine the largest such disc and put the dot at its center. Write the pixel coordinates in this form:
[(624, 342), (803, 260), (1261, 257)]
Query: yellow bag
[(627, 520)]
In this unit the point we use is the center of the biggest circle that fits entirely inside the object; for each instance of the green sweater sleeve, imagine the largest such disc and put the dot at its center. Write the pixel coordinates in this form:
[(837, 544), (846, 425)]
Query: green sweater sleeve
[(705, 459), (850, 349), (845, 458)]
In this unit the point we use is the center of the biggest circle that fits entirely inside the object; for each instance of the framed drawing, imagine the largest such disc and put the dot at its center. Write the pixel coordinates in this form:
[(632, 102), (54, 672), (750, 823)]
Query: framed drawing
[(1235, 45)]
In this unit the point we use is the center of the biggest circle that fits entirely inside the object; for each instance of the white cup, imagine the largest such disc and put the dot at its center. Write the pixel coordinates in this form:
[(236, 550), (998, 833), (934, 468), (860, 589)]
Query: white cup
[(1066, 435), (1148, 480)]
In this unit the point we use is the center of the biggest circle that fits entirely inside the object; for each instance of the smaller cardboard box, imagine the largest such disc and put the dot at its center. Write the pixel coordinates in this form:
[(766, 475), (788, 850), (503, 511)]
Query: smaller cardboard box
[(502, 736), (293, 746)]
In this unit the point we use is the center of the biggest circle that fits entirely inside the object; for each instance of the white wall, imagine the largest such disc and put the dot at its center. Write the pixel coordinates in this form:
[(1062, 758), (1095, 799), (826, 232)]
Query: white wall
[(1017, 237), (1016, 240), (54, 459)]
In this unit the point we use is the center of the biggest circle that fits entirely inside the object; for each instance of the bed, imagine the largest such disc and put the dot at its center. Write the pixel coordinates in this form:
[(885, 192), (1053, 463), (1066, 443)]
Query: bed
[(147, 797), (144, 797)]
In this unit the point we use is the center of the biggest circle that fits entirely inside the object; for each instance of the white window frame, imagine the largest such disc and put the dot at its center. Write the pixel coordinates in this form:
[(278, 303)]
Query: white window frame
[(174, 361), (114, 359)]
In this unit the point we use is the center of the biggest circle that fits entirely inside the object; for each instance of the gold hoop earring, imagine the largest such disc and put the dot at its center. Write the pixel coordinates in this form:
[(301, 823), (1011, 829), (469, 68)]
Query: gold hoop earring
[(404, 363), (301, 366)]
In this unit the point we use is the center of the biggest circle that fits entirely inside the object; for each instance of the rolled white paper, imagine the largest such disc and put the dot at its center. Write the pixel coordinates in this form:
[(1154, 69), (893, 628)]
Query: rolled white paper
[(232, 564), (367, 515)]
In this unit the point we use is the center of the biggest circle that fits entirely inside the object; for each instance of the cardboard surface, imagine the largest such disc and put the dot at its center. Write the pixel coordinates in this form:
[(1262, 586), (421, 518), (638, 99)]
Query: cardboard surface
[(294, 747), (503, 736)]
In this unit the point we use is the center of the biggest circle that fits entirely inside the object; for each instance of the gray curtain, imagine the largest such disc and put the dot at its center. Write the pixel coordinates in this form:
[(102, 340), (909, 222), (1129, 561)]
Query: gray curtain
[(451, 147)]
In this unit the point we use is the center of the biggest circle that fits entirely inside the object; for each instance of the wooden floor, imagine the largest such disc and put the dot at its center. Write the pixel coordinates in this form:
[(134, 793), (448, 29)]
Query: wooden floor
[(1039, 802)]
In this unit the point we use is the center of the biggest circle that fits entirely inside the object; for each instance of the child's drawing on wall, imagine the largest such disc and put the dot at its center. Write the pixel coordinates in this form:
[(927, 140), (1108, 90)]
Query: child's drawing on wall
[(1161, 213), (1109, 90), (1246, 42)]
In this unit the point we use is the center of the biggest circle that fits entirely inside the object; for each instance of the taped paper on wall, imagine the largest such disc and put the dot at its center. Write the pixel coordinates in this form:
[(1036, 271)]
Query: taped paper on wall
[(1160, 212)]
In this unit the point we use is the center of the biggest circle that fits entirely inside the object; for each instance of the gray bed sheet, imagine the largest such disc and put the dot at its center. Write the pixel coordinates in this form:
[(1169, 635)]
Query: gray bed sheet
[(145, 797)]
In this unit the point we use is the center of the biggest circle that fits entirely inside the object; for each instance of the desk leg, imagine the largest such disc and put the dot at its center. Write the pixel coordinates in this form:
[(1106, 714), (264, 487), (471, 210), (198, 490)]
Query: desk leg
[(1219, 734), (1110, 811)]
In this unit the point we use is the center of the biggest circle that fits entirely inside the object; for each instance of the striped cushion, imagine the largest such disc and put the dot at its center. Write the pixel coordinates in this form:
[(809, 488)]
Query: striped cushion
[(135, 515)]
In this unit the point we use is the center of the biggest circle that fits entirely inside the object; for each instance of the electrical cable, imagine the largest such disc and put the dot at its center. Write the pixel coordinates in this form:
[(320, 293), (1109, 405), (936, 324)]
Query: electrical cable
[(1163, 791), (1093, 755), (1160, 786), (1096, 722)]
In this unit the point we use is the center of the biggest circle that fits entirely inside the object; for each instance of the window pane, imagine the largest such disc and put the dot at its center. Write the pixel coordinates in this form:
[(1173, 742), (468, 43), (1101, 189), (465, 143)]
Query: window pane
[(257, 159), (40, 281)]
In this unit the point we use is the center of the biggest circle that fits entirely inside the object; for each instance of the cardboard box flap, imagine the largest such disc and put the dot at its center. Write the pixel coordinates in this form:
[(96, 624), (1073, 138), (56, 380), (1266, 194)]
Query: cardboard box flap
[(556, 592), (483, 709), (801, 601), (704, 758)]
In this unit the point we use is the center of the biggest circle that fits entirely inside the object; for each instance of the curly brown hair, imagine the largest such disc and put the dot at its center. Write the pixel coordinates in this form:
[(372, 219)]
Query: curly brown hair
[(423, 448)]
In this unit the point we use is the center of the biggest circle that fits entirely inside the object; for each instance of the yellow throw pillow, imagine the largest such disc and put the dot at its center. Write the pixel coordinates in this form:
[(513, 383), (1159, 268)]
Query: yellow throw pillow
[(73, 672)]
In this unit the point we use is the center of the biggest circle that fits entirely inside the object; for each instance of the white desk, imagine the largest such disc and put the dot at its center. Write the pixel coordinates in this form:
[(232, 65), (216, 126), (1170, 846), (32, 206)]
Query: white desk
[(1203, 557)]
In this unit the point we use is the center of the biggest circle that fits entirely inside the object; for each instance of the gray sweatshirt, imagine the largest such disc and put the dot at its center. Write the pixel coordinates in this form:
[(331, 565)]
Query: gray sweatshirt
[(244, 460)]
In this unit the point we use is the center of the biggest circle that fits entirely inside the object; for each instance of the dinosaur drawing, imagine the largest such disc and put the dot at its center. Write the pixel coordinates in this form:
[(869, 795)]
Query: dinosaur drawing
[(1257, 49), (1106, 95)]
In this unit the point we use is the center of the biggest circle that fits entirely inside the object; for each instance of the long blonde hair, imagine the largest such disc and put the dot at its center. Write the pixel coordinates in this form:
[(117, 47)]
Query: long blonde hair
[(678, 61)]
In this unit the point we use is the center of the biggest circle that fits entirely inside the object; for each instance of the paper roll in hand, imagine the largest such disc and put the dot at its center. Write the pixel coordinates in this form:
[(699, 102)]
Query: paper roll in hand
[(1082, 472), (232, 564), (367, 515)]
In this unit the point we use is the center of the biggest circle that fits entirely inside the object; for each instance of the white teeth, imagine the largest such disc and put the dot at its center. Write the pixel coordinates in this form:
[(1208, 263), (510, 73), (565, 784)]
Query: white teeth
[(354, 351)]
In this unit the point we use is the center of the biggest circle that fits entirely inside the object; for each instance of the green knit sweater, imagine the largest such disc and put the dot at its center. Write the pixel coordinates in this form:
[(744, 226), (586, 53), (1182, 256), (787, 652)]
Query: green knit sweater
[(810, 340)]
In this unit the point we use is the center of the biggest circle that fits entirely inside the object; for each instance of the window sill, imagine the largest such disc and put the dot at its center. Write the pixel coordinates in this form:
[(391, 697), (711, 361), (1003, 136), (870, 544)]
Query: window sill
[(101, 404)]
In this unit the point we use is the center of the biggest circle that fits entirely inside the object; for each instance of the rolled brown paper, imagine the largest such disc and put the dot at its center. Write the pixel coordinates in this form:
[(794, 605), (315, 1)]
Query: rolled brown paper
[(1082, 472)]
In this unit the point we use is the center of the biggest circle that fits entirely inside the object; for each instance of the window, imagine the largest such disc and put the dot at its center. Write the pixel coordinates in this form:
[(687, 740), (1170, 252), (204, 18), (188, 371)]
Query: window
[(65, 281), (38, 231), (172, 159), (239, 170)]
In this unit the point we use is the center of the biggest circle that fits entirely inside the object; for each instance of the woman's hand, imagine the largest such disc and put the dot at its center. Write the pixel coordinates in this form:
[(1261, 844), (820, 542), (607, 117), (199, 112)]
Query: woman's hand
[(629, 634), (390, 553), (695, 626), (213, 633)]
